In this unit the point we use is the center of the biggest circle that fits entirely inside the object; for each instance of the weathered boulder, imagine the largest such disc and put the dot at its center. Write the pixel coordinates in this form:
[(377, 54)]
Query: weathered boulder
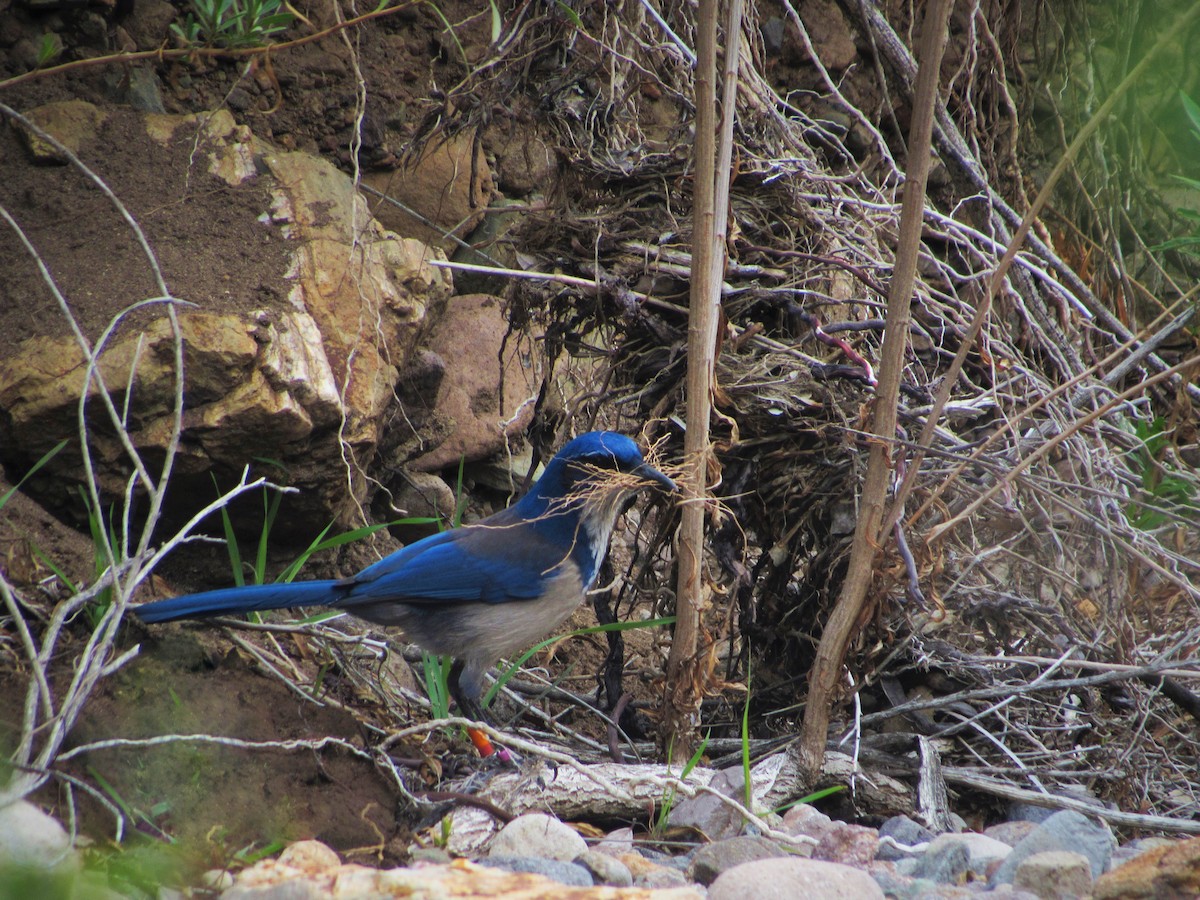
[(488, 386), (303, 380), (448, 184)]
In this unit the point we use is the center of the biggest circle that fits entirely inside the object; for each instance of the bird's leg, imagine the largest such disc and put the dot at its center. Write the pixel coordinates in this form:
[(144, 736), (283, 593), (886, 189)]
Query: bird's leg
[(466, 688), (466, 695)]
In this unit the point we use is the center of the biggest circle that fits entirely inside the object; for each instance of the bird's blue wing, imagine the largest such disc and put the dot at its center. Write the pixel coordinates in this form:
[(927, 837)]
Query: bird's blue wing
[(492, 563)]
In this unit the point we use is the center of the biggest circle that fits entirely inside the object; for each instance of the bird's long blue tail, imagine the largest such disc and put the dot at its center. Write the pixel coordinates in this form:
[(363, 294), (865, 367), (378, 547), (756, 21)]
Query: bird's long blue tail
[(233, 600)]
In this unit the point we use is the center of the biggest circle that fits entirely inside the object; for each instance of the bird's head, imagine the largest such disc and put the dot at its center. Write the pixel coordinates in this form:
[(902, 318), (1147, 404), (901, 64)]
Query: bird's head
[(598, 462), (587, 485)]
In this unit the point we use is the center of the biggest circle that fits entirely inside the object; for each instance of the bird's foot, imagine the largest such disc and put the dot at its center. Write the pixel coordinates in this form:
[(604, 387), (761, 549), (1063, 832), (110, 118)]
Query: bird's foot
[(491, 752)]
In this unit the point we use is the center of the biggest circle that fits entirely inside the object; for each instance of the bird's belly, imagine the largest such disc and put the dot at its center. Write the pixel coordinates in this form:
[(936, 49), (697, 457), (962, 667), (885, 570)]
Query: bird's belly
[(487, 631)]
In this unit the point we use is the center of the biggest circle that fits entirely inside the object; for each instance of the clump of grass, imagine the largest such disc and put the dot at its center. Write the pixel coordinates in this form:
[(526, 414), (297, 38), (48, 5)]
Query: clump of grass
[(232, 24)]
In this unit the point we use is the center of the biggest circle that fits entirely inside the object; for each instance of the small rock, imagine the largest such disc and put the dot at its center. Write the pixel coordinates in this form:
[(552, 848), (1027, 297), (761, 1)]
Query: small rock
[(434, 855), (424, 495), (854, 845), (11, 30), (982, 851), (450, 184), (535, 834), (144, 91), (890, 881), (898, 833), (1011, 833), (1136, 848), (25, 54), (1065, 830), (1165, 871), (898, 887), (30, 837), (217, 879), (794, 877), (151, 23), (713, 859), (94, 28), (806, 821), (567, 873), (71, 122), (311, 856), (616, 842), (1055, 875), (706, 813), (945, 863), (483, 395), (647, 874), (239, 98), (772, 31), (605, 869), (1028, 812)]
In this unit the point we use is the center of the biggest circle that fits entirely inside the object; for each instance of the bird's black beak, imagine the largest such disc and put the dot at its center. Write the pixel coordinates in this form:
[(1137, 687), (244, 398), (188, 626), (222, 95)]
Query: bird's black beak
[(649, 473)]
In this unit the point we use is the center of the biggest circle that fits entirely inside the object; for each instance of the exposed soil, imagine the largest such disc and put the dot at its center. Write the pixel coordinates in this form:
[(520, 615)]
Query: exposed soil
[(93, 255)]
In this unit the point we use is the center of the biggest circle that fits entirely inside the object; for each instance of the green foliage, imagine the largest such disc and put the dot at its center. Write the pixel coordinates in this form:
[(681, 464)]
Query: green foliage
[(49, 49), (49, 455), (232, 24), (1165, 489), (144, 820), (436, 675), (252, 853), (746, 745), (811, 798), (37, 881), (1188, 243), (668, 802), (37, 551), (105, 546), (136, 868)]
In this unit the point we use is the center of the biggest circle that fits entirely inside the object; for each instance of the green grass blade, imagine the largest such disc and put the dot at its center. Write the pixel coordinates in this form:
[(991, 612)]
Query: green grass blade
[(49, 455), (746, 743), (270, 511), (53, 567)]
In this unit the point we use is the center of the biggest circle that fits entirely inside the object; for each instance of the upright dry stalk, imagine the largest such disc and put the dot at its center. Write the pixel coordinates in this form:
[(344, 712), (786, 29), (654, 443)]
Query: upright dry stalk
[(710, 206), (868, 537)]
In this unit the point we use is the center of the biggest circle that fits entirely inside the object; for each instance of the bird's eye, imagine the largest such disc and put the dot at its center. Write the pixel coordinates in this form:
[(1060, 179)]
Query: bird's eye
[(587, 467), (602, 461)]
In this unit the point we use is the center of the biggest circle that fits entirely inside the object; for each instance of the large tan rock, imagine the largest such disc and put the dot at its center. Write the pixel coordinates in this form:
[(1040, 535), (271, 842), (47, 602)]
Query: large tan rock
[(488, 387), (70, 122), (304, 380), (449, 185)]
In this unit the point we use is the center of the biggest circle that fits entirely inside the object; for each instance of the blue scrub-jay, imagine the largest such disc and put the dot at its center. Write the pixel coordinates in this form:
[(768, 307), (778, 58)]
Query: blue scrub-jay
[(483, 591)]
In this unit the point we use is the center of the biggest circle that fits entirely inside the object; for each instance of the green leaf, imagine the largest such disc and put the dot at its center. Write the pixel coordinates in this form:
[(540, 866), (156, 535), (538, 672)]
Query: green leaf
[(437, 674), (746, 743), (53, 567), (811, 798), (496, 23), (1176, 243), (1192, 110), (46, 457), (569, 13)]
